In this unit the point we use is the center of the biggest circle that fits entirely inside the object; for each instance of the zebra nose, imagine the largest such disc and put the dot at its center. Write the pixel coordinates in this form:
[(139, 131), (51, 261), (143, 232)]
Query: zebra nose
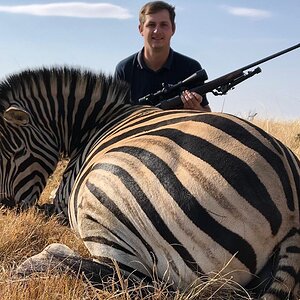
[(7, 202)]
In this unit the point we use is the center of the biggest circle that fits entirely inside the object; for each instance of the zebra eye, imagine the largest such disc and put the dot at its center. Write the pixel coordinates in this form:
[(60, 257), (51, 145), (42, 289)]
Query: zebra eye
[(20, 153)]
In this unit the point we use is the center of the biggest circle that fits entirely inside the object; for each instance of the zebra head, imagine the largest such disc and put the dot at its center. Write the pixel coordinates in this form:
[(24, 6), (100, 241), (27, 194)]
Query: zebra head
[(26, 158), (46, 113)]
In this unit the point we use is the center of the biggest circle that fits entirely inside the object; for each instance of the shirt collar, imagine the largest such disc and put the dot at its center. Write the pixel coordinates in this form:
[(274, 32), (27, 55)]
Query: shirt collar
[(142, 64)]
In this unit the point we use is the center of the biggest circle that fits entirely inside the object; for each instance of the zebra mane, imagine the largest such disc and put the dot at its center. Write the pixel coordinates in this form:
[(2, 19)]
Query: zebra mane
[(26, 79)]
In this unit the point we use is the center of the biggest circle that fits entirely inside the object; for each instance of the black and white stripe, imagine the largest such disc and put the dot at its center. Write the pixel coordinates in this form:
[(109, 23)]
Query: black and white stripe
[(187, 192)]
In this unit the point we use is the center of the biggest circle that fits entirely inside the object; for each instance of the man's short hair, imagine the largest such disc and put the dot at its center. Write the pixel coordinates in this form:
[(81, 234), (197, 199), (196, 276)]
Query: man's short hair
[(154, 7)]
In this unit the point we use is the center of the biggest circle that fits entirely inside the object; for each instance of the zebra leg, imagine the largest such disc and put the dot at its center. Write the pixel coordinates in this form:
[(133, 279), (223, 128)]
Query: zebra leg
[(49, 210), (285, 284), (59, 257), (262, 281)]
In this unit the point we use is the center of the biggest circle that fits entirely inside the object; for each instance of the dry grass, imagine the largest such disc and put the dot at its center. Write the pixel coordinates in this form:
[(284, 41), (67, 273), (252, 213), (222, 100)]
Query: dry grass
[(287, 132), (25, 234)]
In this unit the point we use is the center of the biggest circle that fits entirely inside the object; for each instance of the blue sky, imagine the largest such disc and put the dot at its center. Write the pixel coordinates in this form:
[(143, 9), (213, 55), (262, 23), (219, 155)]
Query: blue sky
[(222, 35)]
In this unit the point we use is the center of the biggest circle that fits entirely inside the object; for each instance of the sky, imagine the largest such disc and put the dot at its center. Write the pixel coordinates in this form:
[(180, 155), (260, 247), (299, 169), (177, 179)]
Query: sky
[(222, 35)]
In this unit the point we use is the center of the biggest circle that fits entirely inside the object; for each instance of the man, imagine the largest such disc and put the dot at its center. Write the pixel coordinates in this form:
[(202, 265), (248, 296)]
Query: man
[(157, 63)]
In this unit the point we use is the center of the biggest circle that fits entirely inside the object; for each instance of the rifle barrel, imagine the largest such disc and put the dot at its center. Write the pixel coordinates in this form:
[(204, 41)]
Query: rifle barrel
[(271, 57)]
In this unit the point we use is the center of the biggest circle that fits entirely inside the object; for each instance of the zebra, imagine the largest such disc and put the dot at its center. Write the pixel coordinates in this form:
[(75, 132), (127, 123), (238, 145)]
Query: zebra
[(179, 191)]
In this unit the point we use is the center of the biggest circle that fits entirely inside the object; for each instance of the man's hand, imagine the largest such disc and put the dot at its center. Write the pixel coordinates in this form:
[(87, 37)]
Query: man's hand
[(192, 100)]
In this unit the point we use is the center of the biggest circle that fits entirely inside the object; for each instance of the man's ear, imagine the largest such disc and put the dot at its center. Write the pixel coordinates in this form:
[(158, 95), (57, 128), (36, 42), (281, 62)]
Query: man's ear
[(16, 116), (174, 28), (141, 27)]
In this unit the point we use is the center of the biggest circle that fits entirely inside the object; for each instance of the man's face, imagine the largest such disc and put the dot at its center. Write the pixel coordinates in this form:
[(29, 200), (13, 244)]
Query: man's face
[(157, 30)]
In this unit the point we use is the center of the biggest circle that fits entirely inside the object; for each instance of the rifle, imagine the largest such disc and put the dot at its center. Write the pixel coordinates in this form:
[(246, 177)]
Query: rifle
[(218, 86)]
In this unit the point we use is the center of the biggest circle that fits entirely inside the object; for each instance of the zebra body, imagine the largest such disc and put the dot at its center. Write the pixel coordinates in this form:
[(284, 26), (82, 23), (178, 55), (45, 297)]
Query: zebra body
[(186, 192)]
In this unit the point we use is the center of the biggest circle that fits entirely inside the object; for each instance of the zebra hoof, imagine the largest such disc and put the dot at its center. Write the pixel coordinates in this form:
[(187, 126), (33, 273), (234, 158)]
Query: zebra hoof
[(47, 209), (55, 257)]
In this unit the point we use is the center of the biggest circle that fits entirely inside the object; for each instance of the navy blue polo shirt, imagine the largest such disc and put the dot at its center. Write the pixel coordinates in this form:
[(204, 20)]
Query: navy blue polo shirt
[(144, 81)]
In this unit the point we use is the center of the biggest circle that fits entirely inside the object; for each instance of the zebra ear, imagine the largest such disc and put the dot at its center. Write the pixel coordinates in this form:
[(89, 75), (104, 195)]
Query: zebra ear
[(16, 116)]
